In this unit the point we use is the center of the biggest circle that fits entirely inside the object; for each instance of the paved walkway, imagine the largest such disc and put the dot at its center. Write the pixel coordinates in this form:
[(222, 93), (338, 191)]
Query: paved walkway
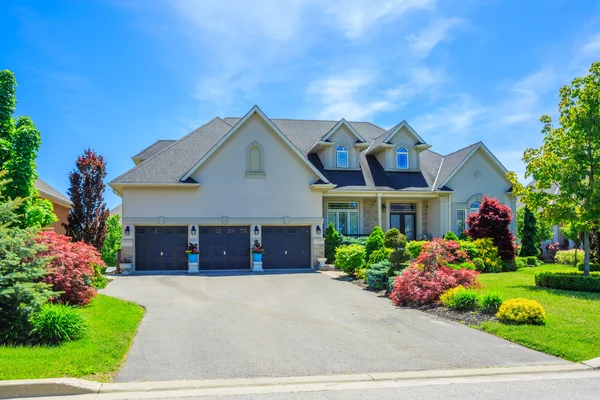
[(243, 326)]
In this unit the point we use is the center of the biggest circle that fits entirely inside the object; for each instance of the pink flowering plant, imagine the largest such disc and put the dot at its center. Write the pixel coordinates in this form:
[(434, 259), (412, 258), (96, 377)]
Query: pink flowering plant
[(257, 248), (438, 253), (192, 248)]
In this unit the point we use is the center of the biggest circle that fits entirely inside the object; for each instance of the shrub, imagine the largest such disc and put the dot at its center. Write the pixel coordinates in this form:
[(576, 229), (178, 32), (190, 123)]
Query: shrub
[(532, 261), (99, 281), (71, 267), (451, 236), (490, 303), (375, 241), (522, 311), (461, 298), (530, 234), (521, 262), (416, 286), (469, 247), (493, 221), (569, 281), (414, 247), (379, 255), (394, 239), (488, 253), (346, 240), (463, 236), (509, 266), (360, 273), (568, 257), (350, 258), (396, 269), (440, 252), (57, 323), (463, 265), (478, 263), (398, 257), (332, 242), (593, 267), (377, 275)]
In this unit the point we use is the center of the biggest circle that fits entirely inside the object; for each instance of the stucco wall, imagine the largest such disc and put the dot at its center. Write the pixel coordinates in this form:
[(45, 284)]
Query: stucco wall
[(402, 139), (433, 217), (342, 136), (226, 191), (61, 213)]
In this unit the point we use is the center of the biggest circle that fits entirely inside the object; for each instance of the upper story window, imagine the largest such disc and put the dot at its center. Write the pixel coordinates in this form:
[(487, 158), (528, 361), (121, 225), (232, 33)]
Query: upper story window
[(342, 157), (254, 161), (402, 158)]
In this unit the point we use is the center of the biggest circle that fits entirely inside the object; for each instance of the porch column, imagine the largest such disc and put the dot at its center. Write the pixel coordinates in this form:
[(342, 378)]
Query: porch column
[(379, 209), (444, 215), (193, 238), (419, 218)]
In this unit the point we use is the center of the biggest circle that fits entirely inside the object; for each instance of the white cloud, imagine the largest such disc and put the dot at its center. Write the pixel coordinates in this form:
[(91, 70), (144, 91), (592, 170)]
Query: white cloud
[(592, 46), (438, 30), (452, 121)]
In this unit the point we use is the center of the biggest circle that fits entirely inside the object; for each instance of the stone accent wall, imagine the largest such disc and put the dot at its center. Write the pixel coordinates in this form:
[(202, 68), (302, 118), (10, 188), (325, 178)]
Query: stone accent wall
[(318, 252), (370, 215)]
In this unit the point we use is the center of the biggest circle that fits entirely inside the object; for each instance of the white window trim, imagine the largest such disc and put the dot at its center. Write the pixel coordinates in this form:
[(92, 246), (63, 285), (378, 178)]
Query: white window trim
[(337, 160), (407, 157), (466, 211), (346, 200)]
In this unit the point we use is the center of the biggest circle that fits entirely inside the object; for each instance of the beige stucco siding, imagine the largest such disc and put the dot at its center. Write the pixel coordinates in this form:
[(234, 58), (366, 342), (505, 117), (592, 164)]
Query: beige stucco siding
[(226, 191), (342, 136)]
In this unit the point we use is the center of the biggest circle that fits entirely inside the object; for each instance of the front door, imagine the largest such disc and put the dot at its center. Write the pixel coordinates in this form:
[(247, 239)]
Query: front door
[(405, 223)]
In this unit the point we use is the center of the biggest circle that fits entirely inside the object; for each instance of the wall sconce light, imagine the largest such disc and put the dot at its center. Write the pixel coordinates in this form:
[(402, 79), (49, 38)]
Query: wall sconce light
[(256, 230), (127, 231), (193, 230), (318, 230)]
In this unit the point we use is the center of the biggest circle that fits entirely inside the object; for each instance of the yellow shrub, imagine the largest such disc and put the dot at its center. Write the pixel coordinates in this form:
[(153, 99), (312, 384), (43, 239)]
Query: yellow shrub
[(446, 297), (522, 311), (360, 273)]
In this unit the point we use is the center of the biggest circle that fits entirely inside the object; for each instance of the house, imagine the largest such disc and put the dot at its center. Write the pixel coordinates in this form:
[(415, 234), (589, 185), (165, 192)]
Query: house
[(61, 204), (558, 236), (281, 181)]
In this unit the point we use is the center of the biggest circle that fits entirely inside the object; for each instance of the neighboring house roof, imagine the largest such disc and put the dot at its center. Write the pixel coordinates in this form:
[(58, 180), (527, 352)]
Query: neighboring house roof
[(116, 210), (48, 192), (173, 162), (151, 150), (553, 189)]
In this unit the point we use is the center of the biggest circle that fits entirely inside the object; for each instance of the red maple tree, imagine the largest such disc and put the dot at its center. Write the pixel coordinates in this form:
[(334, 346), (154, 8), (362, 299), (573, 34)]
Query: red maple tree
[(493, 221)]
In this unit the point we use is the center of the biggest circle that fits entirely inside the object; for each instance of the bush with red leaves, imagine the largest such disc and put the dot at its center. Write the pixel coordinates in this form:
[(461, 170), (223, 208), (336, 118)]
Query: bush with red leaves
[(493, 221), (417, 287), (71, 269), (440, 253)]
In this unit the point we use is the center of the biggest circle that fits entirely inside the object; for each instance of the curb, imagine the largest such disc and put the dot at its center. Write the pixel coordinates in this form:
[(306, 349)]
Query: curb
[(74, 386)]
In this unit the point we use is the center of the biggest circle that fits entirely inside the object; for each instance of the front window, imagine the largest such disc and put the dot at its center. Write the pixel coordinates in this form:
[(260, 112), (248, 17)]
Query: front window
[(344, 217), (342, 157), (461, 221), (402, 158), (474, 207)]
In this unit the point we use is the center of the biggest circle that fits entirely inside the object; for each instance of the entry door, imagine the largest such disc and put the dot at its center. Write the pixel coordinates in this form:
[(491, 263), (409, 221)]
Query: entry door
[(223, 247), (405, 223), (286, 247), (160, 248)]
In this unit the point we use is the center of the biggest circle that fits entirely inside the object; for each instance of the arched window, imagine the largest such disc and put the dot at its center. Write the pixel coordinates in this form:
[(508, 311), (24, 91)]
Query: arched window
[(254, 161), (402, 158), (474, 207), (342, 157)]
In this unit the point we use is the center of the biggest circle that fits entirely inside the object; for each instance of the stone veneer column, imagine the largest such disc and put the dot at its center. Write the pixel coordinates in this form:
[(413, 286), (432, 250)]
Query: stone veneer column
[(369, 213), (193, 267), (318, 243), (256, 266), (127, 242)]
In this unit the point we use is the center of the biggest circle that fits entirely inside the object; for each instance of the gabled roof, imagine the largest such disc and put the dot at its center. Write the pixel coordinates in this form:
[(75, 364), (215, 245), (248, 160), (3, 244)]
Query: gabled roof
[(254, 111), (390, 133), (151, 150), (454, 161), (48, 192), (345, 123)]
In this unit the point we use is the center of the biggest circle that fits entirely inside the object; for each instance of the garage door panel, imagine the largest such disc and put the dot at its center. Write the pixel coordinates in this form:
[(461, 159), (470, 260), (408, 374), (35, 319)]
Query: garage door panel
[(286, 247), (160, 248), (224, 247)]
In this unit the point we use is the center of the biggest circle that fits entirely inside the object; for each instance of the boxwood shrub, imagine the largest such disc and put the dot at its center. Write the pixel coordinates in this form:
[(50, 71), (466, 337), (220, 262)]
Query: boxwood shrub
[(521, 311), (593, 267), (569, 281)]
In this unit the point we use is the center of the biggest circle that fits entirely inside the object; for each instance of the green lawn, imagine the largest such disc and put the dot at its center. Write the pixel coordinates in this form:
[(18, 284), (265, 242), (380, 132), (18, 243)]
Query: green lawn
[(572, 329), (98, 356)]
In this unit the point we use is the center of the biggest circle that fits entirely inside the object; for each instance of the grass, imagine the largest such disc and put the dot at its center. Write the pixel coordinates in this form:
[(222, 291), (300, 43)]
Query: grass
[(112, 324), (572, 329)]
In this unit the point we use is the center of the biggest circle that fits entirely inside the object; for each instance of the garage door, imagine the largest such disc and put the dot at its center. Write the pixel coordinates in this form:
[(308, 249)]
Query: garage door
[(286, 247), (224, 247), (160, 248)]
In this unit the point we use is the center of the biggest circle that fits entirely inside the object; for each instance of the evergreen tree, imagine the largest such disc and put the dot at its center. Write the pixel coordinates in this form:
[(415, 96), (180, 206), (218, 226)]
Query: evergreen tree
[(87, 218), (375, 241), (529, 244), (332, 242)]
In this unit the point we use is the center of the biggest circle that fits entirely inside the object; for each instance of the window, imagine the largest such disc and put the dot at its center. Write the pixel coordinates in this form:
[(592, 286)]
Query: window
[(402, 158), (461, 221), (474, 207), (342, 157), (403, 207), (344, 217), (254, 161)]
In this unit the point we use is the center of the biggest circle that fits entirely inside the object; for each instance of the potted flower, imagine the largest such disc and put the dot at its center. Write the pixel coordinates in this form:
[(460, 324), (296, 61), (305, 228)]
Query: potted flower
[(192, 252), (125, 266), (257, 251)]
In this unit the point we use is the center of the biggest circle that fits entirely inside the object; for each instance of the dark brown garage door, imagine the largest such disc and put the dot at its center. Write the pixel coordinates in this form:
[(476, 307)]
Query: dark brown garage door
[(286, 247), (160, 248), (224, 247)]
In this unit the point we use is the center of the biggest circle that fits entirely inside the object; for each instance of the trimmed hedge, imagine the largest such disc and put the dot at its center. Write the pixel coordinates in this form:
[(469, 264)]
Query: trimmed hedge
[(593, 267), (569, 281)]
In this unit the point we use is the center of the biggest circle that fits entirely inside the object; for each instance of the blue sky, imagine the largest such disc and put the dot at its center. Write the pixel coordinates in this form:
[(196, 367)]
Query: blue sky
[(116, 75)]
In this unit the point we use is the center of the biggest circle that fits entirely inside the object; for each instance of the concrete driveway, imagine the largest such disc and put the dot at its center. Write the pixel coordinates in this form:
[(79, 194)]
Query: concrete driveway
[(234, 326)]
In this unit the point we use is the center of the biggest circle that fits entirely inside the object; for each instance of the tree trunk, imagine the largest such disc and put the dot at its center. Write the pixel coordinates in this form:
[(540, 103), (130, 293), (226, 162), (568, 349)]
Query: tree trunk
[(586, 255), (575, 259)]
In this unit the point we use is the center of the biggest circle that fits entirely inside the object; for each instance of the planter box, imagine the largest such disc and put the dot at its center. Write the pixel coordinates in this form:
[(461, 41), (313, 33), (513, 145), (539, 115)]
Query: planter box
[(193, 258), (257, 257)]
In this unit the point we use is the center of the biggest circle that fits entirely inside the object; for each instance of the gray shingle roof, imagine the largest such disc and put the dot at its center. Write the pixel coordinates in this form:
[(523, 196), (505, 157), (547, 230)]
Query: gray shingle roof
[(154, 148), (452, 161), (46, 190)]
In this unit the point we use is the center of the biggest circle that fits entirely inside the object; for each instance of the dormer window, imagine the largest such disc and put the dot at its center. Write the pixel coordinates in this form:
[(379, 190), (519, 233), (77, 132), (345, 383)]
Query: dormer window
[(402, 158), (342, 157)]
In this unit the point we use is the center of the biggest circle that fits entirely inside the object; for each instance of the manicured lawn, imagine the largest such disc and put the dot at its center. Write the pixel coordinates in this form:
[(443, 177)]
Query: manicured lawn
[(98, 356), (572, 330)]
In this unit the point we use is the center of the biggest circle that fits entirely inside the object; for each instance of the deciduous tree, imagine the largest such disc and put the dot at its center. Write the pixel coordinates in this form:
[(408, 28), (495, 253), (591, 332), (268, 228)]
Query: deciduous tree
[(569, 157), (492, 220), (112, 243), (87, 218)]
